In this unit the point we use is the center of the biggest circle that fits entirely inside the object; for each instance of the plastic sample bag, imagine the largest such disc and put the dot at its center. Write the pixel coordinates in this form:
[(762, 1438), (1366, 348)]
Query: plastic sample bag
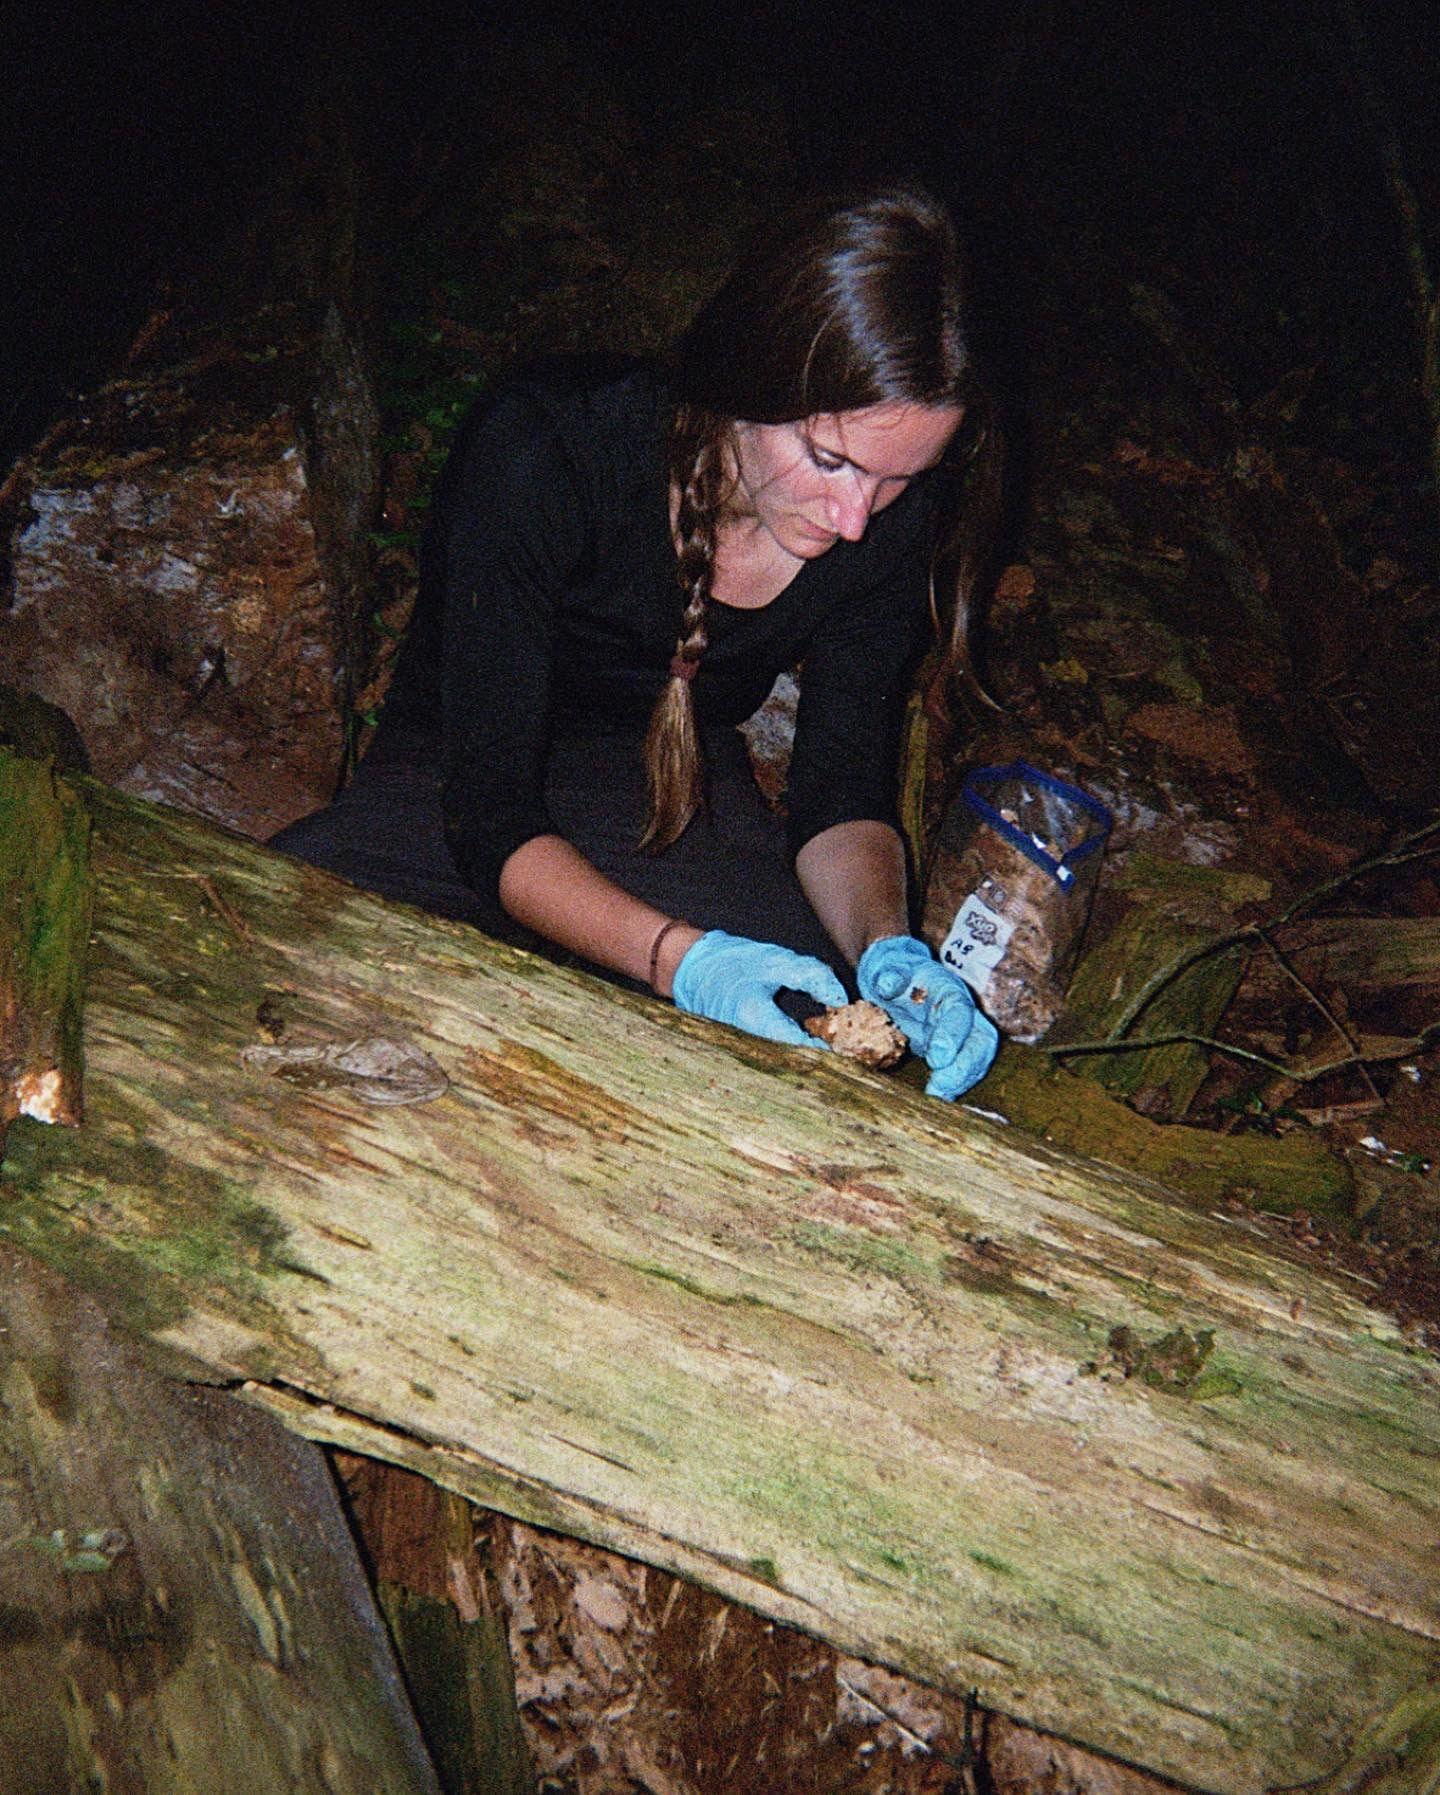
[(1010, 890)]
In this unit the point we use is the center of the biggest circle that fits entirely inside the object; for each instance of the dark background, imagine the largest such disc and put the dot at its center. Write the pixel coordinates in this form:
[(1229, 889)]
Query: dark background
[(1218, 150)]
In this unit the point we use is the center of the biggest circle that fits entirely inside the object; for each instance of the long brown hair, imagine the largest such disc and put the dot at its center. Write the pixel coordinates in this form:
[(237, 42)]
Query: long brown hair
[(840, 303)]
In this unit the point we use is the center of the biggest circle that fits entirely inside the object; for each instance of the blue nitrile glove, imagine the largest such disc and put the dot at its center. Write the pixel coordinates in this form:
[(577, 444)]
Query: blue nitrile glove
[(933, 1008), (730, 979)]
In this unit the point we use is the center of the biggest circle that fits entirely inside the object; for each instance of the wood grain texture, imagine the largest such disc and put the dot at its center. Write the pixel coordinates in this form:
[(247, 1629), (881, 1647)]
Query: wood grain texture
[(786, 1326), (181, 1606)]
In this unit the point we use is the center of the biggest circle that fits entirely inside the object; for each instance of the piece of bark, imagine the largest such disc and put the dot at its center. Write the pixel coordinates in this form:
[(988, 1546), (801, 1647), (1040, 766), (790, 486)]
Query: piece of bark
[(859, 1031), (181, 1603), (770, 737), (828, 1346), (45, 901)]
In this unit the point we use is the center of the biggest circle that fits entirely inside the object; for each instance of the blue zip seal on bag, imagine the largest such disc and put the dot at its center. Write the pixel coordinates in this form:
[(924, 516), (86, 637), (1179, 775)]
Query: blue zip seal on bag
[(1060, 806)]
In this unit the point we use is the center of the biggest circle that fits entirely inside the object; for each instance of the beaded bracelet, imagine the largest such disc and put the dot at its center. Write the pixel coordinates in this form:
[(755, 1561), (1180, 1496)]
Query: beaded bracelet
[(675, 922)]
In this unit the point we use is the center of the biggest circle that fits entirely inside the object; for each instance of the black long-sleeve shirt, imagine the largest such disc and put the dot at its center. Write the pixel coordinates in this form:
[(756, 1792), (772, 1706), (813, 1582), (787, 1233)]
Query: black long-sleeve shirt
[(553, 550)]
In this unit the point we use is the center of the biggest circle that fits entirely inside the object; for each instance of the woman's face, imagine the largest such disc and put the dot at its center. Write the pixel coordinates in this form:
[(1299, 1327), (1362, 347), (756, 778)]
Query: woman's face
[(814, 482)]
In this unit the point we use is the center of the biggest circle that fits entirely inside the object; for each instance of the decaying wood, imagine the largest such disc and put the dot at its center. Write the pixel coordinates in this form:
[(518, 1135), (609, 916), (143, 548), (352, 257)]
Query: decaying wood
[(1021, 1762), (44, 927), (1169, 908), (1278, 1176), (786, 1326), (186, 553), (181, 1604), (1365, 955), (1183, 995), (426, 1549), (630, 1679), (859, 1031)]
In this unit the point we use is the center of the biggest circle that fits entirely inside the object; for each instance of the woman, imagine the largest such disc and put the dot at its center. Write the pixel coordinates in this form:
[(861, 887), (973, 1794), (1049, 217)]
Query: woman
[(786, 470)]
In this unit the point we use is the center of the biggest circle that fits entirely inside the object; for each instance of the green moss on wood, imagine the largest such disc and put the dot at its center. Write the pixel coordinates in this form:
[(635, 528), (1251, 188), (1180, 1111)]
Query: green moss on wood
[(180, 1233), (1174, 908), (870, 1253), (682, 1280), (1282, 1175), (45, 911), (892, 1400)]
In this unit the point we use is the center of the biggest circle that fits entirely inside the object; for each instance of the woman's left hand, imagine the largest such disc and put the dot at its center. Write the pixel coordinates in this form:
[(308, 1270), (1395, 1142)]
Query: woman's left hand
[(933, 1008)]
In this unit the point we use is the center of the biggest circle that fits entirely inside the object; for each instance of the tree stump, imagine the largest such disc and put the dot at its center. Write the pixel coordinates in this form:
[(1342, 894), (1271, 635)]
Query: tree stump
[(188, 554)]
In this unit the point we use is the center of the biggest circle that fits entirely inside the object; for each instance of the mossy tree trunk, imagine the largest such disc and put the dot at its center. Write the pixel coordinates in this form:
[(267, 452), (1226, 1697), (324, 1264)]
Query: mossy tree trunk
[(989, 1413), (44, 925)]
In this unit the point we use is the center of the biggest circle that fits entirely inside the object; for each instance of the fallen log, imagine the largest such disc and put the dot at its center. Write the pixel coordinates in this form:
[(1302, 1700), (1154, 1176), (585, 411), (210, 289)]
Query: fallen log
[(180, 1602), (983, 1411)]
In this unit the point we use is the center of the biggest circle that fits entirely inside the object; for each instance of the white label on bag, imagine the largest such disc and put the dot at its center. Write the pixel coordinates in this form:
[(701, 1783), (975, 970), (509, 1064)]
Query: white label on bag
[(976, 943)]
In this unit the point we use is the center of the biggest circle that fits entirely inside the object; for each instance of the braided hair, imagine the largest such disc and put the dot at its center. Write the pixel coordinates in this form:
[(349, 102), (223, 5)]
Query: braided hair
[(841, 303)]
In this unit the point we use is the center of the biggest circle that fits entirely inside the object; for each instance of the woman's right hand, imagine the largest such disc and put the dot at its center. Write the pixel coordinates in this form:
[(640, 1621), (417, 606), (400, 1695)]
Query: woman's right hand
[(730, 979)]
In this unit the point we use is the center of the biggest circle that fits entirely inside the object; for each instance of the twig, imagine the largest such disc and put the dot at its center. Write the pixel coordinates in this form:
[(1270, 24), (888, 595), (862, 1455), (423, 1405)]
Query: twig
[(1138, 1043), (1300, 1074), (1154, 985), (222, 906), (1398, 854), (1250, 933), (1403, 1050), (964, 1765), (904, 1731), (1282, 960), (225, 909)]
